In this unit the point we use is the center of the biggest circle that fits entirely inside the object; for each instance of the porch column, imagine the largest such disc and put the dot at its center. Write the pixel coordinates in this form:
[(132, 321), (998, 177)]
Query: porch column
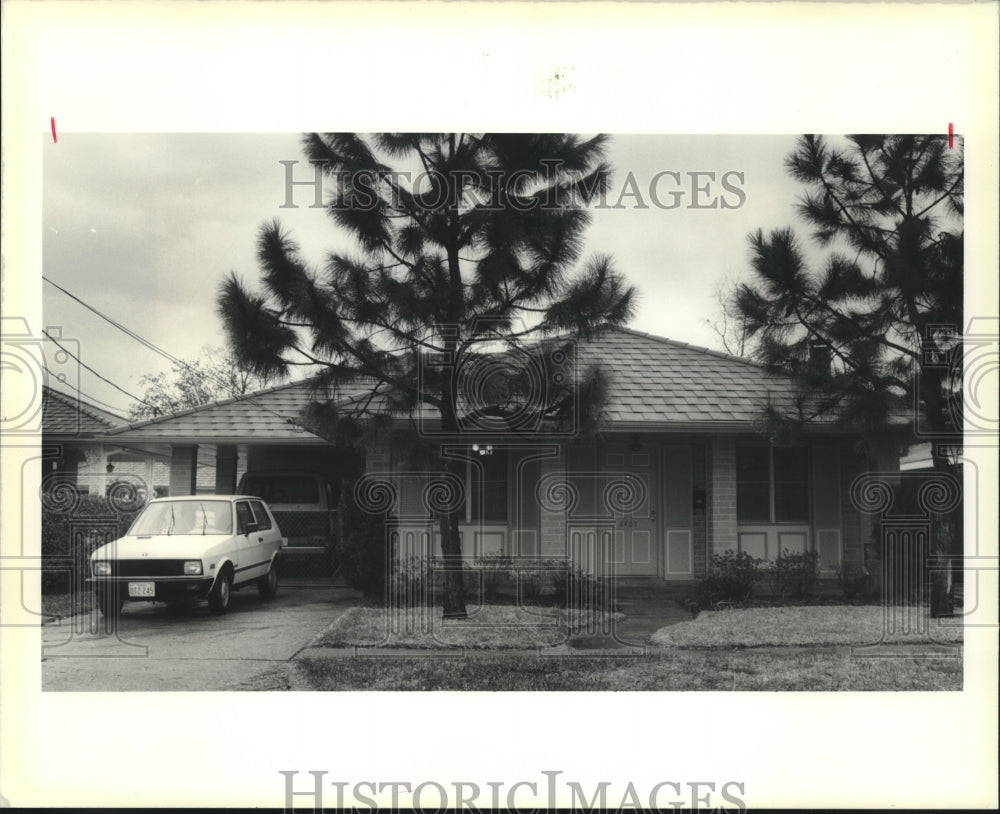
[(722, 495), (225, 469), (101, 481), (147, 473), (183, 469)]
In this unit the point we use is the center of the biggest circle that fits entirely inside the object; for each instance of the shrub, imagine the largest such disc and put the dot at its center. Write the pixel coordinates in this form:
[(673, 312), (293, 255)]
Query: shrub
[(794, 574), (855, 582), (731, 578), (554, 581), (73, 526), (494, 570), (362, 546), (561, 582), (541, 581)]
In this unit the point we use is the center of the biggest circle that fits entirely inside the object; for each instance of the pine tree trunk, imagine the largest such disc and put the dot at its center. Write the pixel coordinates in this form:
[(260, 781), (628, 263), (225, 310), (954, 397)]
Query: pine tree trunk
[(451, 551), (944, 545), (454, 585), (451, 542)]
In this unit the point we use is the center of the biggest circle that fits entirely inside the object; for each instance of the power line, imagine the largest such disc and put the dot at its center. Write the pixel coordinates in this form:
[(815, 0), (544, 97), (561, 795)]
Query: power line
[(94, 400), (118, 325), (99, 376), (132, 334), (151, 346)]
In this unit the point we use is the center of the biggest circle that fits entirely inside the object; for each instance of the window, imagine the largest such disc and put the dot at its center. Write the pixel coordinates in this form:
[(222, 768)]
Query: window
[(791, 485), (261, 515), (242, 517), (772, 485), (185, 517), (753, 485), (488, 488)]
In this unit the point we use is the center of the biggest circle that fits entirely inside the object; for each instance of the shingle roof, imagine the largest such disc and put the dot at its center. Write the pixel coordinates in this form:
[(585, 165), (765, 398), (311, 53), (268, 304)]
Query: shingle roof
[(66, 415), (268, 415), (655, 383)]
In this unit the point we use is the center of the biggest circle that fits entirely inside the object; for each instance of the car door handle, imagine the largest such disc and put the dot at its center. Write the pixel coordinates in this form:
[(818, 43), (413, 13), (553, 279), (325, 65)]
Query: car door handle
[(260, 539)]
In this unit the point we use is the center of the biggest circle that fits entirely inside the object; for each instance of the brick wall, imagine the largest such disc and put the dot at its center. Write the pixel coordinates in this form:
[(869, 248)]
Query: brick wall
[(722, 495), (552, 523), (183, 469), (699, 464)]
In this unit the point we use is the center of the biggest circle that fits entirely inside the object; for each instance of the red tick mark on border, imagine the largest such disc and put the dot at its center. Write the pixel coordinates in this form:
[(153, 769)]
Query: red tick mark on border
[(951, 135), (52, 124)]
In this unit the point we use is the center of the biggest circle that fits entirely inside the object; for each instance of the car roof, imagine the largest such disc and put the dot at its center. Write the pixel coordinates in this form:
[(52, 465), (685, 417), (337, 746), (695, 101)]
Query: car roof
[(193, 498), (286, 473)]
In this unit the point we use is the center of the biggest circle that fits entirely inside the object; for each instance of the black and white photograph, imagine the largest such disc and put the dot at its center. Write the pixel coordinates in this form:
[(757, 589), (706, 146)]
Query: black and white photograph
[(331, 418)]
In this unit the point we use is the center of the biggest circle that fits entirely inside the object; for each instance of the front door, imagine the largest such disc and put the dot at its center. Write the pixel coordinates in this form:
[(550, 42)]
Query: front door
[(626, 482)]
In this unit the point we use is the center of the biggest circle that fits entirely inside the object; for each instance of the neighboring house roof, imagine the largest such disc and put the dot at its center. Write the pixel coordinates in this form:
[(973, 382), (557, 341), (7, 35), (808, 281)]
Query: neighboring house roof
[(655, 383), (267, 415), (66, 415)]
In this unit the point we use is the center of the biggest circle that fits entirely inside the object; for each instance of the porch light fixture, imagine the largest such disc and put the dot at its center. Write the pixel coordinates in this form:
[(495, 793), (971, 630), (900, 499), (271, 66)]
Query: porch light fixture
[(635, 446), (110, 468), (484, 449)]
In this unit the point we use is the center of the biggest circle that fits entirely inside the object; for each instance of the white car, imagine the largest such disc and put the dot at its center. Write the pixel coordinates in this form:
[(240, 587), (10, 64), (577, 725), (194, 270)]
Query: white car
[(185, 548)]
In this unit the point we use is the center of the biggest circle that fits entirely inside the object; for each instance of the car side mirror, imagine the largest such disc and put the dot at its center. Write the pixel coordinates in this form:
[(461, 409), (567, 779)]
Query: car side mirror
[(252, 527)]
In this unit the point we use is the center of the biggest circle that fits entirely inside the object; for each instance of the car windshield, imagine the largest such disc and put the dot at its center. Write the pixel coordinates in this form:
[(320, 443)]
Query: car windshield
[(185, 517)]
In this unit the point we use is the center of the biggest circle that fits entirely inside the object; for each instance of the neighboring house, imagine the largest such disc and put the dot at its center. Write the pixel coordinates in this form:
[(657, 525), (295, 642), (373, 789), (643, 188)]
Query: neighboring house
[(681, 469), (77, 450), (917, 457), (72, 431)]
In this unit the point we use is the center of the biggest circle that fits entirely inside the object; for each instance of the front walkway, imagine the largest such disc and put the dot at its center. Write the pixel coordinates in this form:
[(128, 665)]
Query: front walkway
[(156, 648)]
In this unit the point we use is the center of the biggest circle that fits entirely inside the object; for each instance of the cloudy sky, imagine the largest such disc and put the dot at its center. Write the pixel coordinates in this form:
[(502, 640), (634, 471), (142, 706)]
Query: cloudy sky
[(143, 227)]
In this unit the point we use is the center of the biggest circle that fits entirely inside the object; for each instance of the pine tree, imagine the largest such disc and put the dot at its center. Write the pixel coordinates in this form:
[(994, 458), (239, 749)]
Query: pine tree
[(875, 332), (466, 247)]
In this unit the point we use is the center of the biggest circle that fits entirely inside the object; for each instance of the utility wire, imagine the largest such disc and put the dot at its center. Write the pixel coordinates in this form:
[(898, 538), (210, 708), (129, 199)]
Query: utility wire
[(99, 376), (157, 411), (117, 324), (94, 401)]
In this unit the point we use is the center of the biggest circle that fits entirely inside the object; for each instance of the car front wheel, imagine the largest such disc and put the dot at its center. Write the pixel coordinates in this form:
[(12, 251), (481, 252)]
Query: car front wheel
[(268, 584), (218, 599)]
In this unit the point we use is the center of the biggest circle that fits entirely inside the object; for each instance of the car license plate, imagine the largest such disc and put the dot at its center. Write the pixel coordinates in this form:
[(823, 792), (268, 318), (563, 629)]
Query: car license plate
[(142, 589)]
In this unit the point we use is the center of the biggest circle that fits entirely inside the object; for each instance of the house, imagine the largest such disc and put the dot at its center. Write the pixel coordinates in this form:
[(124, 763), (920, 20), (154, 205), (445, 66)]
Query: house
[(78, 452), (680, 470)]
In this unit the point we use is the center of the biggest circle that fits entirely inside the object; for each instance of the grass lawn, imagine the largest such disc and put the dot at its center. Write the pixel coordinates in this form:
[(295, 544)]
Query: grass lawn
[(63, 605), (707, 653), (744, 670), (487, 627), (808, 625)]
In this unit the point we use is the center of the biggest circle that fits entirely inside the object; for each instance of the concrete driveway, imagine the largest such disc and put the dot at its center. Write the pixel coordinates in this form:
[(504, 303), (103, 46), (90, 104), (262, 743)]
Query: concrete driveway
[(156, 648)]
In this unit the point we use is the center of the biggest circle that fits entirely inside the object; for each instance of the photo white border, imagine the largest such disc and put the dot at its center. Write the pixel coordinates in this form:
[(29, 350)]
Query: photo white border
[(631, 68)]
